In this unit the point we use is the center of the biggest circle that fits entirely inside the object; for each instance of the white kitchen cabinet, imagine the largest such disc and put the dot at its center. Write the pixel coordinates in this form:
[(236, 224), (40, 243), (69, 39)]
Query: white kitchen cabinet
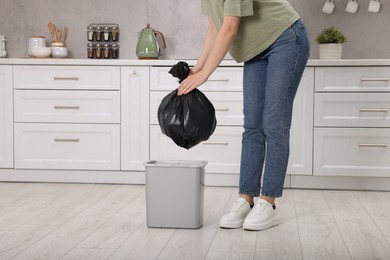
[(64, 106), (222, 150), (363, 152), (222, 79), (301, 134), (6, 117), (67, 146), (352, 79), (67, 77), (351, 125), (352, 109), (67, 117), (134, 118), (78, 121)]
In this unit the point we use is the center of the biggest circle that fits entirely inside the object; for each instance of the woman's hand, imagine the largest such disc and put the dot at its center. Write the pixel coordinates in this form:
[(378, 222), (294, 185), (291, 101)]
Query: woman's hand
[(191, 82)]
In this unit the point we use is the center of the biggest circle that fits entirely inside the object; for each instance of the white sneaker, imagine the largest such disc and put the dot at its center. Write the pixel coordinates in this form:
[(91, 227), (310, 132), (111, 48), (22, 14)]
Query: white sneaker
[(235, 216), (261, 217)]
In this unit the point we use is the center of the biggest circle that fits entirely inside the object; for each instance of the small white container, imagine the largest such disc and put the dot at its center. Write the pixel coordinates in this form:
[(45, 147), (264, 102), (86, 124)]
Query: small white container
[(35, 41), (40, 52), (330, 51), (59, 52)]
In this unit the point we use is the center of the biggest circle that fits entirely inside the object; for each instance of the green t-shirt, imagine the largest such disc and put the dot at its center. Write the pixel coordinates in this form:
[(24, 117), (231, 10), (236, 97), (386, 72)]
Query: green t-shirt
[(262, 22)]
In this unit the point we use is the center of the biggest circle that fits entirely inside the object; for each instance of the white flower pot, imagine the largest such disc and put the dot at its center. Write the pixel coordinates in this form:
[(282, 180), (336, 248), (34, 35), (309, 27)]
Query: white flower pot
[(330, 51)]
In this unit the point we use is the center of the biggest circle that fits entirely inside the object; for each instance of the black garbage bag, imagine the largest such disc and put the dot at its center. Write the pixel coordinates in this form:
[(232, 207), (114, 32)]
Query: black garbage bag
[(187, 119)]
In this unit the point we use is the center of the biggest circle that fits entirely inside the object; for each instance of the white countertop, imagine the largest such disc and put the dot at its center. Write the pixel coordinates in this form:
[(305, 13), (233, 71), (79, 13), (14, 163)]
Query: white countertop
[(120, 62)]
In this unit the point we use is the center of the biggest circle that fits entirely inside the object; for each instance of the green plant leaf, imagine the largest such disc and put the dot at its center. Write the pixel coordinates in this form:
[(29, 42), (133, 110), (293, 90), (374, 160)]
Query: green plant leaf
[(330, 35)]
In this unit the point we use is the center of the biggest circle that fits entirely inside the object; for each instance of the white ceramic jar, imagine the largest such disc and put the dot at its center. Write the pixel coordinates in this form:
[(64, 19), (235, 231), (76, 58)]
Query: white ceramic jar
[(36, 41), (59, 52)]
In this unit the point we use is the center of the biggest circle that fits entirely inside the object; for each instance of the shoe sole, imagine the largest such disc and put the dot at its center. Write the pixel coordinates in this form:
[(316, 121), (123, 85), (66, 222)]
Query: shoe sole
[(237, 224), (258, 227)]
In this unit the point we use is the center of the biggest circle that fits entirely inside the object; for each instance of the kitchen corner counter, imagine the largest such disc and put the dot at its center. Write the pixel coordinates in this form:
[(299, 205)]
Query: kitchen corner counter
[(134, 62)]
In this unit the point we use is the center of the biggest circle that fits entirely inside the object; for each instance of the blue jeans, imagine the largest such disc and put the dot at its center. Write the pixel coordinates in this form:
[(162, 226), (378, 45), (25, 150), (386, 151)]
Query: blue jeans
[(271, 81)]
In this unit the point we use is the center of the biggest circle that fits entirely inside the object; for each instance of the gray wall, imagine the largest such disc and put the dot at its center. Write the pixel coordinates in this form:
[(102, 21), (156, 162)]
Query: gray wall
[(181, 23)]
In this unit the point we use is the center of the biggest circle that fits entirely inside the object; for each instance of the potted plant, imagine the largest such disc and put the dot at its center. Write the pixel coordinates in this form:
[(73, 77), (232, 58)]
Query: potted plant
[(330, 42)]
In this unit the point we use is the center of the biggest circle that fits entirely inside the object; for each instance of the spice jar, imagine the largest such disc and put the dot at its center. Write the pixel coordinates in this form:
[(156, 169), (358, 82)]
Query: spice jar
[(106, 51), (98, 51), (106, 33), (115, 51), (114, 33), (90, 50), (90, 33), (98, 33)]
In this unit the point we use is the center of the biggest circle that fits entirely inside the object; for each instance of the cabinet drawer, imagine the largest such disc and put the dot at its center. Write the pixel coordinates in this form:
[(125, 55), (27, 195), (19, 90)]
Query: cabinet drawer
[(67, 146), (223, 79), (222, 150), (66, 77), (352, 152), (60, 106), (228, 106), (352, 109), (352, 79)]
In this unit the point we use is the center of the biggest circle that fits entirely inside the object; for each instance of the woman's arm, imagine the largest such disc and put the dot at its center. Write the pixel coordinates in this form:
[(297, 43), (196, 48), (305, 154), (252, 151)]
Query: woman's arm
[(212, 54), (207, 46)]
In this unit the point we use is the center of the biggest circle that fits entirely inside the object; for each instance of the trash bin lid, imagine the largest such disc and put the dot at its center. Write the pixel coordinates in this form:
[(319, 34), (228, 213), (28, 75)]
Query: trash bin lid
[(179, 164)]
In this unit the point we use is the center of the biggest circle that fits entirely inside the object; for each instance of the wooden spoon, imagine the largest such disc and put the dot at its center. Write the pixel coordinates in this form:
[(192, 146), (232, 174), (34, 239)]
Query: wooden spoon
[(64, 33), (52, 29), (59, 32)]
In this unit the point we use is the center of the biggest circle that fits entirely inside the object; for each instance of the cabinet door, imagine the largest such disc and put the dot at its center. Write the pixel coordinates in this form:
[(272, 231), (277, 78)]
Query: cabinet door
[(222, 151), (65, 106), (67, 146), (352, 110), (134, 118), (222, 79), (352, 79), (6, 121), (67, 77), (360, 152), (301, 140)]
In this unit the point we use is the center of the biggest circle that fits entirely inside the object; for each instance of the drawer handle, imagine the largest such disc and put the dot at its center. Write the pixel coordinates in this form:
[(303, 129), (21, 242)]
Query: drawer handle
[(66, 78), (60, 140), (384, 110), (216, 142), (67, 107), (218, 80), (374, 79), (373, 145), (222, 109)]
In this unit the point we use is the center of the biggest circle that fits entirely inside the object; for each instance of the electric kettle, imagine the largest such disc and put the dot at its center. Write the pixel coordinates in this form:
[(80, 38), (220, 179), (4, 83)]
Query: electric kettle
[(147, 46), (3, 50)]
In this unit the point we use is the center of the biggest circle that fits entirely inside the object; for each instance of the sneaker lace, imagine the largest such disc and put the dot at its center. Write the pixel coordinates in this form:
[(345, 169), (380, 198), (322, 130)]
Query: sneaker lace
[(236, 207), (259, 208)]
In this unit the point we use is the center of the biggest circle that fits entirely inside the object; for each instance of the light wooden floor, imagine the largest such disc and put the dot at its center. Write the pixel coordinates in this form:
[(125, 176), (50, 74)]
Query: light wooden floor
[(90, 221)]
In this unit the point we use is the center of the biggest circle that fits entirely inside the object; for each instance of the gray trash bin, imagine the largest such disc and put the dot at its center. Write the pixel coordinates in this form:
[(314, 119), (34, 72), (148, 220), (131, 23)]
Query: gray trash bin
[(174, 194)]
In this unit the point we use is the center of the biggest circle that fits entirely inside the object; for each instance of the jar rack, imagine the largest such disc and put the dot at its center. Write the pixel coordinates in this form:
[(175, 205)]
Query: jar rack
[(103, 41)]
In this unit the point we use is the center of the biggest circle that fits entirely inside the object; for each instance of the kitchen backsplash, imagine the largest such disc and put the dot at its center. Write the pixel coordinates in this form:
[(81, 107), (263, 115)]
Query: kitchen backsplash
[(181, 23)]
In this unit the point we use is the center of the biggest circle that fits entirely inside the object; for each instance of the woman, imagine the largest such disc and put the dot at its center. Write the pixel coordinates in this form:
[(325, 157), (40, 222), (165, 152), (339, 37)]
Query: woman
[(271, 40)]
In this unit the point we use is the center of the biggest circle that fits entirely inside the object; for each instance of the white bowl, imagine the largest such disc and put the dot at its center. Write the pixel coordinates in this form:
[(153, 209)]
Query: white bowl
[(41, 52), (59, 52)]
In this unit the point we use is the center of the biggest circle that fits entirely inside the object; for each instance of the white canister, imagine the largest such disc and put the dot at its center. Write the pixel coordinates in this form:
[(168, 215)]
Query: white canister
[(36, 41), (3, 50), (59, 52)]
